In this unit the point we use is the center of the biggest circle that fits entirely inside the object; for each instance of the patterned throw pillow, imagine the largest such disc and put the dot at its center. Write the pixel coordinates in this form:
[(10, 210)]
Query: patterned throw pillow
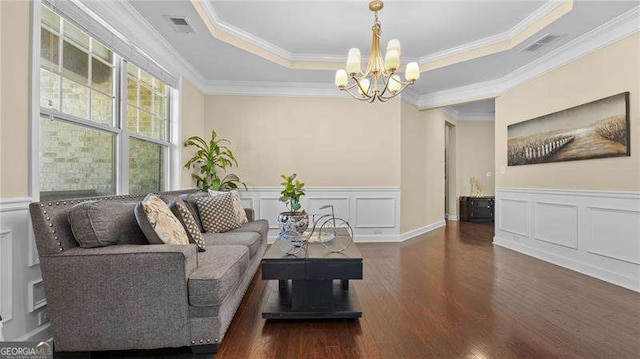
[(241, 215), (164, 223), (179, 208), (217, 213)]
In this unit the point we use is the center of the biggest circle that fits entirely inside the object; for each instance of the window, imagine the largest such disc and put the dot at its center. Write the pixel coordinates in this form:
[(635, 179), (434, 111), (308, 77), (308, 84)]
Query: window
[(97, 137)]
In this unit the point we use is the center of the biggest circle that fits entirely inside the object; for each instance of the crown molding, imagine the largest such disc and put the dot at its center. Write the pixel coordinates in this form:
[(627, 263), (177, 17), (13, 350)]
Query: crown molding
[(451, 112), (235, 36), (540, 18), (411, 96), (468, 116), (476, 116), (121, 15), (615, 30)]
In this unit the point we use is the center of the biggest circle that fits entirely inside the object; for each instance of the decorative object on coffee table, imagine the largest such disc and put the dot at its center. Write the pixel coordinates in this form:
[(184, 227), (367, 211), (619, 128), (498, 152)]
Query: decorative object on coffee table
[(335, 234), (295, 218), (211, 158), (289, 240)]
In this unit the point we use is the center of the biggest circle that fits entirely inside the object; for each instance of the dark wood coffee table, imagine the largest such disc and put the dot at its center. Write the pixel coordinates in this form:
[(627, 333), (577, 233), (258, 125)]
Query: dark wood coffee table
[(313, 284)]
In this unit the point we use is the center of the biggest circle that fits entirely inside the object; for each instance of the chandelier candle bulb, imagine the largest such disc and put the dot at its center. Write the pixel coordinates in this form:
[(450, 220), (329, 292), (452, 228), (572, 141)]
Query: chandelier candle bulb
[(394, 84), (392, 60), (353, 61), (412, 72), (394, 45), (364, 83), (341, 78)]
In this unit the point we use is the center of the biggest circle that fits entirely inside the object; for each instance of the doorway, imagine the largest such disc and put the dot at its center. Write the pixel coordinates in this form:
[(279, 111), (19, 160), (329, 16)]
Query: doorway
[(450, 182)]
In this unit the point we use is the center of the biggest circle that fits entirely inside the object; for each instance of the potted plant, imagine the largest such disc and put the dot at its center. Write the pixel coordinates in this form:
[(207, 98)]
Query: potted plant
[(294, 218), (213, 157)]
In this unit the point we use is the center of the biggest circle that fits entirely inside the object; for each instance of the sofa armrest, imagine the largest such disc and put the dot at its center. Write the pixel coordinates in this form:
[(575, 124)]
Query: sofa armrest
[(104, 298), (249, 212)]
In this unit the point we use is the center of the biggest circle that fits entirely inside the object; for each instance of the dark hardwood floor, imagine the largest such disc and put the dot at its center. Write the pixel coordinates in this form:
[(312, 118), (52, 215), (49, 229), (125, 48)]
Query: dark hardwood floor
[(448, 294)]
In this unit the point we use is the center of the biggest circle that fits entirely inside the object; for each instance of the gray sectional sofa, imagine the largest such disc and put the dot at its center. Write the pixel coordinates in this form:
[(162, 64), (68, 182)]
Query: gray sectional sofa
[(122, 297)]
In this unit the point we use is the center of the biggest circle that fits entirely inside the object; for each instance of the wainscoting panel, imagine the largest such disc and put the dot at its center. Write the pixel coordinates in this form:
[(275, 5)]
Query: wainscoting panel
[(556, 223), (270, 207), (614, 233), (6, 275), (341, 206), (593, 232), (373, 212), (22, 293), (513, 216)]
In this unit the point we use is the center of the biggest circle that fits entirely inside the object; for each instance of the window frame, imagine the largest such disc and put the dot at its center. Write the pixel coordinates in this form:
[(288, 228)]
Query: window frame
[(170, 152)]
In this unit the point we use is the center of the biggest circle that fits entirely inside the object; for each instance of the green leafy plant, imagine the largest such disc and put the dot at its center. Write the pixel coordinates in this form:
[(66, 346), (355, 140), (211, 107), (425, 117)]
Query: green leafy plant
[(213, 158), (293, 190)]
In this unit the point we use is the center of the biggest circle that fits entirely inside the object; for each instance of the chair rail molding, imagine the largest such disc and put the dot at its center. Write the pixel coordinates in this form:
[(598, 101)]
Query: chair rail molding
[(596, 233)]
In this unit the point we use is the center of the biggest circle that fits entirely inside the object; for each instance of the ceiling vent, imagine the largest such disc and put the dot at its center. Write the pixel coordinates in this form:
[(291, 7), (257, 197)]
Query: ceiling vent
[(540, 42), (180, 24)]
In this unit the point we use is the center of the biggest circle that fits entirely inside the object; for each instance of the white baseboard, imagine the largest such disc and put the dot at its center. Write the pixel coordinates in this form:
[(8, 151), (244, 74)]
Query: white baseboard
[(388, 238), (421, 230), (578, 266), (41, 334), (452, 217)]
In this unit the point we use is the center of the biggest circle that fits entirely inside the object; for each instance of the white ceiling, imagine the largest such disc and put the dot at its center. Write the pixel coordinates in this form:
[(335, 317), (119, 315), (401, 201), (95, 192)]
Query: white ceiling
[(332, 27)]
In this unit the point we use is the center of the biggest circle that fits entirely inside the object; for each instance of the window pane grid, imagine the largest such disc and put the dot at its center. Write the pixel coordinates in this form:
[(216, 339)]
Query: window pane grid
[(147, 104), (80, 82)]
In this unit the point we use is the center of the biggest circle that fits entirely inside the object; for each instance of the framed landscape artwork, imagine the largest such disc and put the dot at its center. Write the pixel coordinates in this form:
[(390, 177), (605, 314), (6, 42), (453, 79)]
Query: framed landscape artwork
[(594, 130)]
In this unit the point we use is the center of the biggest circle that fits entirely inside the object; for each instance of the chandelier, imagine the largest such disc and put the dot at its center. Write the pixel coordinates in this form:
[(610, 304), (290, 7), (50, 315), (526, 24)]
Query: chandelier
[(378, 81)]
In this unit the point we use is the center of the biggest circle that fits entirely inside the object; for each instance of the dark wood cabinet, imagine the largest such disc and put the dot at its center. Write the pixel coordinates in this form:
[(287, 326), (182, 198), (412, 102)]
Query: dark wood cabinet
[(477, 209)]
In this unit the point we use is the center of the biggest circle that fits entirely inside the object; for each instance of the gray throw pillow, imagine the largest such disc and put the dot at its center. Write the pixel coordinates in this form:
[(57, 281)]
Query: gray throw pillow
[(103, 223), (181, 211), (190, 202), (217, 213)]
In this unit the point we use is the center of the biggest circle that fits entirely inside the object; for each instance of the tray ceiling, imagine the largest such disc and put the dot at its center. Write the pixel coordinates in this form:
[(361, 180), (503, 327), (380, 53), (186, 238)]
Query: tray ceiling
[(325, 30)]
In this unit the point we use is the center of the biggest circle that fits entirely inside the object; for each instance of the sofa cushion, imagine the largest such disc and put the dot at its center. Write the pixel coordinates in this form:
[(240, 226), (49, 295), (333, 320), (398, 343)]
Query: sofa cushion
[(220, 270), (248, 239), (158, 223), (241, 215), (190, 200), (217, 214), (103, 223), (260, 226), (180, 210)]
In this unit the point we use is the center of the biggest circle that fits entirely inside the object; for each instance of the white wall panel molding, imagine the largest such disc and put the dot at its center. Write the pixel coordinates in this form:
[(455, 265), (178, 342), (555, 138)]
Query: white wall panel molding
[(614, 233), (6, 275), (21, 289), (593, 232), (35, 295), (372, 212), (375, 212), (513, 216), (556, 223), (14, 204)]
